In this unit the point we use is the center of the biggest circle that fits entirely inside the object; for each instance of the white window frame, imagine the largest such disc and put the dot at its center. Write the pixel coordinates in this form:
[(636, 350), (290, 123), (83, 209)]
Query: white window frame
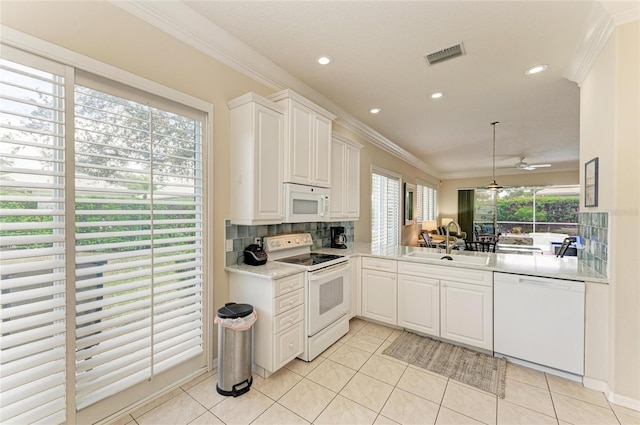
[(47, 50), (395, 176)]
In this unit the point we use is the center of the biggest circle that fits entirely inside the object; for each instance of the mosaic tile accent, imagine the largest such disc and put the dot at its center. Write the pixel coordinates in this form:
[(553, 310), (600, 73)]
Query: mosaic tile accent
[(245, 235), (594, 229)]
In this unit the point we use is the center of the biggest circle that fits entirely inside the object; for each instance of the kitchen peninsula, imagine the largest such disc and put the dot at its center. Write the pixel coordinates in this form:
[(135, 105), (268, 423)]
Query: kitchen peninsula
[(459, 297), (532, 265)]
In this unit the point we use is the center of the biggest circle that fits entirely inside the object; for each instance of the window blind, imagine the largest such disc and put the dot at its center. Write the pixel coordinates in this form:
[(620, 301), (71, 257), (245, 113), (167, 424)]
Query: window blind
[(427, 203), (32, 241), (385, 208), (122, 197), (138, 186)]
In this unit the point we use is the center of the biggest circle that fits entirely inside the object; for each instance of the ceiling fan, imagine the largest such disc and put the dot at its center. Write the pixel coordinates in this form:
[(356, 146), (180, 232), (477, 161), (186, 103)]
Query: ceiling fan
[(521, 165)]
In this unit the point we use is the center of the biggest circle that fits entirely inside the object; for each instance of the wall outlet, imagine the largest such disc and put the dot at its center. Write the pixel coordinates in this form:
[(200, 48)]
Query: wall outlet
[(229, 245), (257, 241)]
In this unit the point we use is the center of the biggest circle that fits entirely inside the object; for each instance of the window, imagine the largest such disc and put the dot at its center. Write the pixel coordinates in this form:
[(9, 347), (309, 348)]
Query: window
[(535, 209), (527, 209), (385, 207), (102, 240), (427, 203)]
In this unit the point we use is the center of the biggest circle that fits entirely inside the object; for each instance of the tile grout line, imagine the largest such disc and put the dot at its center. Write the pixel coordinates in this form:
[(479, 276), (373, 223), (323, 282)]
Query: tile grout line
[(441, 400), (614, 411), (553, 404)]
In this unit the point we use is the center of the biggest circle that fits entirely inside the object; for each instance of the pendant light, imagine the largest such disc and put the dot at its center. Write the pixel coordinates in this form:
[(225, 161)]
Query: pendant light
[(493, 185)]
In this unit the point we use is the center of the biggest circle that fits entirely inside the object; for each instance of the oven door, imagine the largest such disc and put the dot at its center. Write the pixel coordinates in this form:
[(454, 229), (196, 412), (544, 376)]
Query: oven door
[(328, 296)]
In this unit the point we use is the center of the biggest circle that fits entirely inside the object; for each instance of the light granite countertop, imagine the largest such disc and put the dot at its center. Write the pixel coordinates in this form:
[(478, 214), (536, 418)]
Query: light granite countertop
[(532, 265)]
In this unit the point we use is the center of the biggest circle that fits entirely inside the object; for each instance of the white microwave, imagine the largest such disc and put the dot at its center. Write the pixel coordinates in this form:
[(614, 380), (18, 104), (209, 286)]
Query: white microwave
[(305, 203)]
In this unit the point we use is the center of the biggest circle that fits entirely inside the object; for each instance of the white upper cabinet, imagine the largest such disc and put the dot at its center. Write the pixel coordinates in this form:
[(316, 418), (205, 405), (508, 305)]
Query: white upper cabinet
[(345, 179), (257, 142), (307, 140)]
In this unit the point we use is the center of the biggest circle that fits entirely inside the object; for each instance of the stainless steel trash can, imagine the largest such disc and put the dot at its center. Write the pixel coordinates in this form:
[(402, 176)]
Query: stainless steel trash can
[(234, 348)]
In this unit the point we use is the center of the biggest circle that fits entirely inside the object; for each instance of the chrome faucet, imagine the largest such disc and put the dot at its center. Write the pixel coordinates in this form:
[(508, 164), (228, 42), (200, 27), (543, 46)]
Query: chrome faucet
[(458, 230)]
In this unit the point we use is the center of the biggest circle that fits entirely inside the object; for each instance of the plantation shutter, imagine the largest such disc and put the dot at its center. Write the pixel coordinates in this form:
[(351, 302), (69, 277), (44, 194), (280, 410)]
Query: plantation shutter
[(139, 274), (32, 240), (101, 242), (385, 208), (427, 203)]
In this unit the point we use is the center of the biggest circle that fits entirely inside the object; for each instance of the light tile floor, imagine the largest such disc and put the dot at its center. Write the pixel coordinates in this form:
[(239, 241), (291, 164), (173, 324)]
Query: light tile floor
[(353, 383)]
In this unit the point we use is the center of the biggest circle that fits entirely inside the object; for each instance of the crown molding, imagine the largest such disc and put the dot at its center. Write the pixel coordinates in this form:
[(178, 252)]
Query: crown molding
[(622, 12), (597, 31), (602, 21), (186, 25)]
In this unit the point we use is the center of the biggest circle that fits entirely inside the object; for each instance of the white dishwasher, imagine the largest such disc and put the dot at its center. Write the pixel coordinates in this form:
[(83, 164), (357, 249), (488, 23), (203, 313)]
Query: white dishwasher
[(540, 320)]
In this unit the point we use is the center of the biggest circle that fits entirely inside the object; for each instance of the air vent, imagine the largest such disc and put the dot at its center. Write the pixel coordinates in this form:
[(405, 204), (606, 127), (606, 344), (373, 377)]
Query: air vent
[(445, 54)]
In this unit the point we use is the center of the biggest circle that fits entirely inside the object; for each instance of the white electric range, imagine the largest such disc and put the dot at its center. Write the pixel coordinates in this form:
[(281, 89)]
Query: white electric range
[(326, 289)]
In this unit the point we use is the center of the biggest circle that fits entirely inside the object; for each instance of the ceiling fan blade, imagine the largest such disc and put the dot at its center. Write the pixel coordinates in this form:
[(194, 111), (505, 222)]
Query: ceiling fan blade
[(539, 165)]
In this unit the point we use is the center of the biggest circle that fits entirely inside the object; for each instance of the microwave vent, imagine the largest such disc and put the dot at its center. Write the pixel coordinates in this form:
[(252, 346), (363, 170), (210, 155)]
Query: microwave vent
[(445, 54)]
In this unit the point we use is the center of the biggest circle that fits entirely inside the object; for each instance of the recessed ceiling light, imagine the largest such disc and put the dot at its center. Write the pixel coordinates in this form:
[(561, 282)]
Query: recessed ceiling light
[(437, 95), (324, 60), (536, 69), (375, 110)]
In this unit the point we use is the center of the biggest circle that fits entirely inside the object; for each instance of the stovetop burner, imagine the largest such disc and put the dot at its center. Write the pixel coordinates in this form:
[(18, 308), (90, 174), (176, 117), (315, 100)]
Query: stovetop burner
[(310, 259)]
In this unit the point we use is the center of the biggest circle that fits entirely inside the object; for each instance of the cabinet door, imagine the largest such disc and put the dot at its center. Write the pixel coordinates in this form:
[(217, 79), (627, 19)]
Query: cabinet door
[(337, 198), (268, 176), (300, 144), (322, 151), (379, 296), (352, 182), (466, 314), (419, 304), (288, 345)]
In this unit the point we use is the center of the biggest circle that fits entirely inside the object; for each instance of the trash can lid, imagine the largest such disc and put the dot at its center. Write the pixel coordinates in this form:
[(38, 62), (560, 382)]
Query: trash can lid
[(234, 311)]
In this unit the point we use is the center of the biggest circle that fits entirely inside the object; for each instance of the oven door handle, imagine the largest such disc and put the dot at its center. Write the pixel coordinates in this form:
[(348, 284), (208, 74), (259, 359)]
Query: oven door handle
[(317, 275)]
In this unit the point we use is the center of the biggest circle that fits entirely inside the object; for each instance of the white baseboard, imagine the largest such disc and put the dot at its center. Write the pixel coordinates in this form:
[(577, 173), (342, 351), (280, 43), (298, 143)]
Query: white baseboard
[(620, 400), (628, 402), (596, 384)]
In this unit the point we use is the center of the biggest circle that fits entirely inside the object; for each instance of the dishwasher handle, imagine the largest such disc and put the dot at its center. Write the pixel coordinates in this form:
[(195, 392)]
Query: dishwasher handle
[(553, 284)]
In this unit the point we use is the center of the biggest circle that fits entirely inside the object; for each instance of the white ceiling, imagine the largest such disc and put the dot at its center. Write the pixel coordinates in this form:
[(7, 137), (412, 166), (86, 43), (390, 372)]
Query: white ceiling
[(378, 47)]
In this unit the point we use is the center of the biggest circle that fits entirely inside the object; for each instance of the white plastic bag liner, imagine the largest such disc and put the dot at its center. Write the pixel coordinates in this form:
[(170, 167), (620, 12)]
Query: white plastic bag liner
[(238, 324)]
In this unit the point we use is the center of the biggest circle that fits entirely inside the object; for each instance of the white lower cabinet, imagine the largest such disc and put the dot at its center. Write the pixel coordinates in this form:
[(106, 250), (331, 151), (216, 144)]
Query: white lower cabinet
[(453, 303), (379, 296), (419, 304), (466, 313), (278, 334), (379, 290)]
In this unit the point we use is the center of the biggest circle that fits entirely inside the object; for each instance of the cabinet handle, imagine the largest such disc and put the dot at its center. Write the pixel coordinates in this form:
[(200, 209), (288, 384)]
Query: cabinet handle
[(290, 345), (291, 320)]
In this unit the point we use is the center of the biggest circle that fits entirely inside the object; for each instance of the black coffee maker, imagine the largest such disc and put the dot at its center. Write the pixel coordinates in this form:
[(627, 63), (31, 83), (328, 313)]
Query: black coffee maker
[(338, 238)]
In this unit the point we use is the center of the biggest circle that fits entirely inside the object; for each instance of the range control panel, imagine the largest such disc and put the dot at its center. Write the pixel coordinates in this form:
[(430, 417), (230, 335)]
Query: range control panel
[(282, 242)]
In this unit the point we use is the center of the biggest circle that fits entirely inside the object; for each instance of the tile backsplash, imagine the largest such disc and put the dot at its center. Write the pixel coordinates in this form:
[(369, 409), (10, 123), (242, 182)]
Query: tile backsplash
[(594, 229), (245, 235)]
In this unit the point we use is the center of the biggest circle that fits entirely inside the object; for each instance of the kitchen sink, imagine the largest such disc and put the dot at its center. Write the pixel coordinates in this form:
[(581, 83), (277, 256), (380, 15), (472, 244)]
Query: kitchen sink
[(457, 258)]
